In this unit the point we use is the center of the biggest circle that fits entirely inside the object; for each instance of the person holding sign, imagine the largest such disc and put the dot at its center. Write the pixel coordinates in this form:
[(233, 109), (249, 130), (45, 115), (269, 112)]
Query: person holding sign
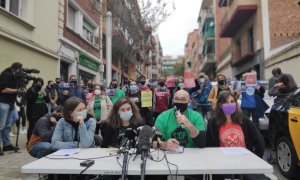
[(141, 99), (252, 103), (113, 92)]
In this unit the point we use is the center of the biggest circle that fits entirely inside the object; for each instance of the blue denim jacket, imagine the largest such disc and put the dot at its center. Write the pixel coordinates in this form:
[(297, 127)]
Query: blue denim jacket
[(64, 134)]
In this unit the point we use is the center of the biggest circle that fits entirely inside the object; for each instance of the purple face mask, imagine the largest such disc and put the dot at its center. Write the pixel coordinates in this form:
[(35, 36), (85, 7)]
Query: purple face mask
[(229, 109)]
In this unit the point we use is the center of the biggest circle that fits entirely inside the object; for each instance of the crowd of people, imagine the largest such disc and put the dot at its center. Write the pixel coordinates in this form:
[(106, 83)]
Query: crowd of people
[(74, 114)]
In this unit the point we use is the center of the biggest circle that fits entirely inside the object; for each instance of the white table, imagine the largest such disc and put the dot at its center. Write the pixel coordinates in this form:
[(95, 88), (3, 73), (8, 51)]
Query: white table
[(192, 161)]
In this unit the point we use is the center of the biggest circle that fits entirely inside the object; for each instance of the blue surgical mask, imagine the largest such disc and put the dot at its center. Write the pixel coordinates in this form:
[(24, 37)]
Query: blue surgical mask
[(133, 88), (126, 116), (82, 113)]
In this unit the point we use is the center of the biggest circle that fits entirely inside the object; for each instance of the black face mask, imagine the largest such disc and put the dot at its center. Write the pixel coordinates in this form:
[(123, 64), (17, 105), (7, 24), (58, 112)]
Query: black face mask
[(143, 82), (57, 117), (57, 82), (114, 86), (161, 84), (74, 82), (221, 82), (38, 88), (181, 106)]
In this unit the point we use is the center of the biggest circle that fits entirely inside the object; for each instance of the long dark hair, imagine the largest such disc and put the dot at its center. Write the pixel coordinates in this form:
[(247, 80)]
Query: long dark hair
[(285, 79), (114, 117), (70, 105), (220, 117)]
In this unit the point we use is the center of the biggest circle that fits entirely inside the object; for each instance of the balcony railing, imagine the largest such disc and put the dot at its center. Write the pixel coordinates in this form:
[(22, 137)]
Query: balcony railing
[(242, 52)]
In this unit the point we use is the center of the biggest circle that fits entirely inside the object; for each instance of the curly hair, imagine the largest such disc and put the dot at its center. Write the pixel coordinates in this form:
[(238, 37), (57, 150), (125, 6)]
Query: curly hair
[(220, 117), (114, 117)]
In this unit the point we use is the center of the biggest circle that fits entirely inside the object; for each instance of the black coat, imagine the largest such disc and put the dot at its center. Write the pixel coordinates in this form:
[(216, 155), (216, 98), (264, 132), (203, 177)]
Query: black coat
[(253, 138)]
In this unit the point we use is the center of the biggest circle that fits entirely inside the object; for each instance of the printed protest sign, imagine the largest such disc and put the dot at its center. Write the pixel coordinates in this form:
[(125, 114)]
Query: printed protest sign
[(189, 79), (146, 97)]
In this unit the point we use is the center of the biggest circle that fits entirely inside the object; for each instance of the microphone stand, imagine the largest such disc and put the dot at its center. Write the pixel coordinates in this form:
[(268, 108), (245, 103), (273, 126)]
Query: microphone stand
[(125, 159), (143, 163)]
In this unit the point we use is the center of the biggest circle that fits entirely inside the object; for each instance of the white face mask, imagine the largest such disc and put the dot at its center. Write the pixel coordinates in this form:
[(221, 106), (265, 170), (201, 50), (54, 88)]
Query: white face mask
[(97, 92)]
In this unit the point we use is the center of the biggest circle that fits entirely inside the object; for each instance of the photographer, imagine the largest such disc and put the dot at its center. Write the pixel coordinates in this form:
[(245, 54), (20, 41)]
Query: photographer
[(36, 106), (8, 93)]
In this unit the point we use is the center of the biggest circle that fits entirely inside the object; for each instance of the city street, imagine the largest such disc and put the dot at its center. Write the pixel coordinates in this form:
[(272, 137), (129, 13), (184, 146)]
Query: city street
[(11, 164)]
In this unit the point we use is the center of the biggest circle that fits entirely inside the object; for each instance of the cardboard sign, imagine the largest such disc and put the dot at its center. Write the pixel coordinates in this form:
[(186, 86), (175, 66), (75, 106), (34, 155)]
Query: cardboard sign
[(146, 98), (250, 78), (170, 81), (189, 79)]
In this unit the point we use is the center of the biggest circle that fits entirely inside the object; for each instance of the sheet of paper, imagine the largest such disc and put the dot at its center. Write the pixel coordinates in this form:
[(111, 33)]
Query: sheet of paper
[(235, 151), (66, 152)]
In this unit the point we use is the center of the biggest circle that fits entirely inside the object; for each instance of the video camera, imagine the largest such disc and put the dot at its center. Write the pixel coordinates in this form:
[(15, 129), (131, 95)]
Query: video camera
[(24, 77)]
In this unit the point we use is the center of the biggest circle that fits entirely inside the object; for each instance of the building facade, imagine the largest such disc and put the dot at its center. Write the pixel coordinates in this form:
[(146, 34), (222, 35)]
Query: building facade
[(191, 52), (156, 70), (242, 23), (79, 41), (282, 37), (223, 45), (168, 63), (206, 22), (28, 34)]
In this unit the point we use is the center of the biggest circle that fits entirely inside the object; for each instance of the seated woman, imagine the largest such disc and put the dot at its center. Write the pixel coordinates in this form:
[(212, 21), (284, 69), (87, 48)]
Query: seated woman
[(76, 129), (229, 123), (282, 89), (123, 115)]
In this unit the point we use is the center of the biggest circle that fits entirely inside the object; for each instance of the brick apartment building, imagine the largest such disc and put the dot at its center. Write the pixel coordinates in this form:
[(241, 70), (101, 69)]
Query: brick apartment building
[(79, 40), (191, 52), (257, 34), (206, 22)]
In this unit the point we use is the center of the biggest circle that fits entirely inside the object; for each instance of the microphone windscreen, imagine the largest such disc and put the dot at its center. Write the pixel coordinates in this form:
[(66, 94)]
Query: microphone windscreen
[(144, 140)]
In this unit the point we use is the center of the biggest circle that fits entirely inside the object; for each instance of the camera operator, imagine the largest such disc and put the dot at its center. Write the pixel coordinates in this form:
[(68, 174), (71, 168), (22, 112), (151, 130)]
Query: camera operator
[(36, 106), (8, 93)]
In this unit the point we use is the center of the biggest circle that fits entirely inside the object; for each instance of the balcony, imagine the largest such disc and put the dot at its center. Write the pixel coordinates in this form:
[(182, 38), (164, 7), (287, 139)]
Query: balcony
[(242, 52), (237, 15), (207, 62)]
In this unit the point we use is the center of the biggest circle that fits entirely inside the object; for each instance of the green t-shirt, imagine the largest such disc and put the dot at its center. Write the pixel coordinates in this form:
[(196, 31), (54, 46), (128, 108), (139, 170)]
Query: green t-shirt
[(119, 93), (167, 124)]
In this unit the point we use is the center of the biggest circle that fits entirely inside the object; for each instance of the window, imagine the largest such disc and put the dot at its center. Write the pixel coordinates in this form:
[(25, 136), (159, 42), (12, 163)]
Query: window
[(13, 6), (71, 17), (88, 31)]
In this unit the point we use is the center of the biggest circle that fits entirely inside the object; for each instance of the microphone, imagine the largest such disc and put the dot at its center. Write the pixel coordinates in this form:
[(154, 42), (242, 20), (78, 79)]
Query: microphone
[(144, 143), (157, 136), (130, 135), (177, 113)]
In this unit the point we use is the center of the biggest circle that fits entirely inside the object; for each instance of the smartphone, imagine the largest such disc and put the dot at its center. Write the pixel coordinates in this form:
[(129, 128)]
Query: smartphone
[(87, 163)]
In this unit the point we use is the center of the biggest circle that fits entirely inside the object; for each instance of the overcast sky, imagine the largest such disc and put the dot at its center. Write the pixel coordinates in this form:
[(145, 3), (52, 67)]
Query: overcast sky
[(173, 32)]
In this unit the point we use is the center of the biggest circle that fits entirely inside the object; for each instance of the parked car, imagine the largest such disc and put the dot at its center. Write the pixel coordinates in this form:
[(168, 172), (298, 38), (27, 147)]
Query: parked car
[(284, 134)]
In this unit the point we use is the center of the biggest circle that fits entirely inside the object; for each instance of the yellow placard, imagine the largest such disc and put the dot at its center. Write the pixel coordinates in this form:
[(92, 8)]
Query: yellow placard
[(146, 97)]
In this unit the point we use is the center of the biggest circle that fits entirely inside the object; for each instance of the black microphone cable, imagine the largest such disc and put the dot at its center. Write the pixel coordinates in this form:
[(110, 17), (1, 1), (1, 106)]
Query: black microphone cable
[(85, 169), (169, 163)]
